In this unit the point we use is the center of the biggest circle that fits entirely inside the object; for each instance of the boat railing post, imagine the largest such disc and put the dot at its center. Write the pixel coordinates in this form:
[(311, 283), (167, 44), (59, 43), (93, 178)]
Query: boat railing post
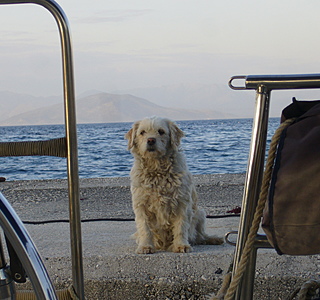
[(252, 189), (71, 138)]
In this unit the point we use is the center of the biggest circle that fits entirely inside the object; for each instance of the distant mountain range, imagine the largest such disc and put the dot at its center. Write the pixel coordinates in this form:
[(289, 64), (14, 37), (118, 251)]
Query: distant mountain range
[(18, 109), (13, 104), (177, 101)]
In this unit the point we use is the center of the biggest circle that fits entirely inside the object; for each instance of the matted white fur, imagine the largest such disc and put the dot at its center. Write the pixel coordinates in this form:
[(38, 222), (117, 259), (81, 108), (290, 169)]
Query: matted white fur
[(164, 198)]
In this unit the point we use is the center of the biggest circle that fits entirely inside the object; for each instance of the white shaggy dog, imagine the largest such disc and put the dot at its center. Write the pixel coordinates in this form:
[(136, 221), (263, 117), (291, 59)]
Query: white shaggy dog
[(163, 194)]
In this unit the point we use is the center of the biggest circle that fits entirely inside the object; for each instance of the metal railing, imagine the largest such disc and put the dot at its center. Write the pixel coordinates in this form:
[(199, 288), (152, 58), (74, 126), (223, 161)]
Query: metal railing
[(71, 137), (263, 84)]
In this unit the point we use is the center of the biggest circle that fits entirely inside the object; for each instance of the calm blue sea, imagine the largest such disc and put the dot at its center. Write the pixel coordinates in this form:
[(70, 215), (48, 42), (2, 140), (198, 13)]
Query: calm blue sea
[(210, 146)]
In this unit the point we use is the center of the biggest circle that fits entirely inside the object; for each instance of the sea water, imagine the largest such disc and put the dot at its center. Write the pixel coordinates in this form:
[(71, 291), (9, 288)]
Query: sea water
[(210, 147)]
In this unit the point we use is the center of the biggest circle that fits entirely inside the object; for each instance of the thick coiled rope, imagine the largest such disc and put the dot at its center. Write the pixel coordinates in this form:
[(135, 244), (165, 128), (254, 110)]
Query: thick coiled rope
[(258, 213), (54, 147), (307, 291), (235, 281)]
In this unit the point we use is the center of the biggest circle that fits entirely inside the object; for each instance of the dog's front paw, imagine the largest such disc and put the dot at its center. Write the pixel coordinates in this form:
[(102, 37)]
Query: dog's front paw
[(182, 249), (145, 250)]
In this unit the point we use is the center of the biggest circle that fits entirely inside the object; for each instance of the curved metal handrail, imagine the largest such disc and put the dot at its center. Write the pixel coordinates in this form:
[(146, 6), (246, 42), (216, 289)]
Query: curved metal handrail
[(277, 82), (71, 138)]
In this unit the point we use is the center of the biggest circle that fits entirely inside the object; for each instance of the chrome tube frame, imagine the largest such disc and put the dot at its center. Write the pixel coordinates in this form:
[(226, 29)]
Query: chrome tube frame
[(252, 185), (26, 251), (71, 137), (263, 86), (277, 82)]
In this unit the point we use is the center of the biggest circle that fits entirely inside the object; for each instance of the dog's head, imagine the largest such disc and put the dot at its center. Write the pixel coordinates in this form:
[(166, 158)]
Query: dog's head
[(154, 136)]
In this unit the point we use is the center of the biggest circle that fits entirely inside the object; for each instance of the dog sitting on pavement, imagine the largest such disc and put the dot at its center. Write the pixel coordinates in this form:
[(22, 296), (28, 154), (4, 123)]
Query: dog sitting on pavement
[(164, 197)]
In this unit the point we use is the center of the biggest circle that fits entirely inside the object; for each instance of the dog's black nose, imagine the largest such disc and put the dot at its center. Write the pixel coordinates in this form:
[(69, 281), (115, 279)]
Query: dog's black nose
[(151, 141)]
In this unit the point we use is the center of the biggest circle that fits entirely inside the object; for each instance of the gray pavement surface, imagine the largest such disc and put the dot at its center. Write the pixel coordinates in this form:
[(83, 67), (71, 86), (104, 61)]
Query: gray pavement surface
[(114, 271)]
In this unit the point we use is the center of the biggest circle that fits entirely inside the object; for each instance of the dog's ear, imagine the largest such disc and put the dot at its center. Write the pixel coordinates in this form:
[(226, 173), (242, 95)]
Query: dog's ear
[(131, 135), (176, 134)]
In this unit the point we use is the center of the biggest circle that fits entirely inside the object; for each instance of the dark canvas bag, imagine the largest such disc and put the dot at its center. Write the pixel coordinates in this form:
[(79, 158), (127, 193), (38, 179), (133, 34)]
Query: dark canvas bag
[(291, 218)]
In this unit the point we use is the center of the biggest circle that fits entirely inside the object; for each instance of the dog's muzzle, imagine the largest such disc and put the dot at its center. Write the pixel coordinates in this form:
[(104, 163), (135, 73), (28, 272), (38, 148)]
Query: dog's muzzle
[(151, 144)]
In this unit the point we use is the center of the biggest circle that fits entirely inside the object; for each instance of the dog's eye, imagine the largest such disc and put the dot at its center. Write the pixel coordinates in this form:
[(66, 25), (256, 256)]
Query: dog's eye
[(142, 132), (161, 131)]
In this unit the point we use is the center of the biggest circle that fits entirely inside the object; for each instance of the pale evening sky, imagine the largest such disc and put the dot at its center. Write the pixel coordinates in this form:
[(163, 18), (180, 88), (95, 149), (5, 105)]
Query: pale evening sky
[(124, 44)]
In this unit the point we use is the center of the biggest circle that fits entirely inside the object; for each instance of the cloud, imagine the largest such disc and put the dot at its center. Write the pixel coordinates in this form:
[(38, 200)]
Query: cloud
[(114, 16)]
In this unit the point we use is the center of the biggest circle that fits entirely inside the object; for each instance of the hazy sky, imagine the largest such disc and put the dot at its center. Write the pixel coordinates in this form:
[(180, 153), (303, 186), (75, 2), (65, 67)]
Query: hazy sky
[(124, 44)]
